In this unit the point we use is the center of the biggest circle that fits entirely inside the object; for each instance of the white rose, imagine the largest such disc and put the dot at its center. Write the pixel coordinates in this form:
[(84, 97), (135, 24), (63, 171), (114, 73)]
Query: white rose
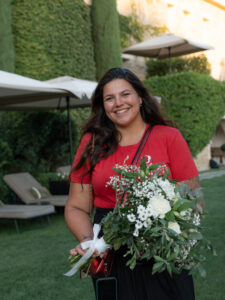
[(174, 226), (160, 205)]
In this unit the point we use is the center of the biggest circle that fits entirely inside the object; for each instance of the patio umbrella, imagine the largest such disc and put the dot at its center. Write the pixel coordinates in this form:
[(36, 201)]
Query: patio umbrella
[(166, 46), (20, 93)]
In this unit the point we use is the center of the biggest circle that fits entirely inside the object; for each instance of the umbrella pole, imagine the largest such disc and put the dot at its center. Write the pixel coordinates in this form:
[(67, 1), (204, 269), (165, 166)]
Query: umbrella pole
[(69, 128), (170, 60)]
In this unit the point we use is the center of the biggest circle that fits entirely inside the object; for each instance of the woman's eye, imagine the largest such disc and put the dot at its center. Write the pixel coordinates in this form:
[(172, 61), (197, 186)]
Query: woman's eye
[(127, 94), (107, 99)]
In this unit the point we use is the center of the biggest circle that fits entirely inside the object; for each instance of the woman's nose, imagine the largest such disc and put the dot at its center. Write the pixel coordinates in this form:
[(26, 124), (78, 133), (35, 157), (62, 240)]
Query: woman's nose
[(118, 101)]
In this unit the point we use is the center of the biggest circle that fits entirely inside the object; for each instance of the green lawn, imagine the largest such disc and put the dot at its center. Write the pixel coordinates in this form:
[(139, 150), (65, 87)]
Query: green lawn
[(32, 263)]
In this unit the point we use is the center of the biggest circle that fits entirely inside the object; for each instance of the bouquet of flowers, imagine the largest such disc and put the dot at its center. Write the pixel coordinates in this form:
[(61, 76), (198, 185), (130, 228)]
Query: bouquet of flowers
[(155, 219)]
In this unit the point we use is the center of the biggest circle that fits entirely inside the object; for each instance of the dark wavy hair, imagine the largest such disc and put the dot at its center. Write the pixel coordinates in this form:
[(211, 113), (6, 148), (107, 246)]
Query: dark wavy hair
[(104, 135)]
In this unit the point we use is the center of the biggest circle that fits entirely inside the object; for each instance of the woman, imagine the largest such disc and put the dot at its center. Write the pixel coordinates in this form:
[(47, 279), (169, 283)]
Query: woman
[(122, 110)]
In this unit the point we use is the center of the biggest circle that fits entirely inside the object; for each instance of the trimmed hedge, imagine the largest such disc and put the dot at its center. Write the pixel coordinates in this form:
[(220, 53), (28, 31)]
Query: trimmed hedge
[(106, 35), (198, 64), (195, 102), (53, 38), (6, 38)]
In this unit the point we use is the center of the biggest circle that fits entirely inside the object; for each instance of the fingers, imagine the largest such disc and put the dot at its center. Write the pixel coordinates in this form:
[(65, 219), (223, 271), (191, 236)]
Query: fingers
[(78, 250)]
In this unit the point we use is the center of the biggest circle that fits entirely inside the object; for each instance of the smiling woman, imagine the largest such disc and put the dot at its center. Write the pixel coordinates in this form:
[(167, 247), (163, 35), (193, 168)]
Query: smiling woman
[(122, 113), (122, 107)]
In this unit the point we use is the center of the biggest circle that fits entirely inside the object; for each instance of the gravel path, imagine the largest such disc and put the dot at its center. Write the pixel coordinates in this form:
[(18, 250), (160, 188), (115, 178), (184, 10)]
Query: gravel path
[(209, 175)]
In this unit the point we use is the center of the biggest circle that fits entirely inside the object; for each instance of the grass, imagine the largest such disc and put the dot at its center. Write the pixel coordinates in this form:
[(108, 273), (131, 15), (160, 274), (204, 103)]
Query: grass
[(32, 263)]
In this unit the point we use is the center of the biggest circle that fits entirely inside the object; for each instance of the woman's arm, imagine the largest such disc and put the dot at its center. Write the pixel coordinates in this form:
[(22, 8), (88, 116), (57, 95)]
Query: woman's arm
[(193, 183), (77, 213)]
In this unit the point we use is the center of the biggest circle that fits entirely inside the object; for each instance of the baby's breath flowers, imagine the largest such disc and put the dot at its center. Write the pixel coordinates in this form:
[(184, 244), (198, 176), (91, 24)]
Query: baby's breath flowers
[(157, 220)]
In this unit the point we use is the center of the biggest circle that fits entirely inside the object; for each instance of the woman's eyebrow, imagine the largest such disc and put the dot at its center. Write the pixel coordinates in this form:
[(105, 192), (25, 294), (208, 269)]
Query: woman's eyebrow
[(111, 95)]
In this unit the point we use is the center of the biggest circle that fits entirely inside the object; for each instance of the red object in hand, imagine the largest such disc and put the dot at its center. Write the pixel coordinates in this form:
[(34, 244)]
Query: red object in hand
[(102, 267)]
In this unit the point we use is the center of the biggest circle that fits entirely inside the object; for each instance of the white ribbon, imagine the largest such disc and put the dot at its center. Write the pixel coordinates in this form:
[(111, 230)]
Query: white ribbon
[(95, 244)]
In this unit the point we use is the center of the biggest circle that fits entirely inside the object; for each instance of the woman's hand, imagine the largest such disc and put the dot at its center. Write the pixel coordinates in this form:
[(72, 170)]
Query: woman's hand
[(78, 250)]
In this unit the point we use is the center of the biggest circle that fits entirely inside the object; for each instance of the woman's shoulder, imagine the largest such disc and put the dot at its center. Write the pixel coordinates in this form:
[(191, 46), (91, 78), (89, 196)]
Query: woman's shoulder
[(166, 131)]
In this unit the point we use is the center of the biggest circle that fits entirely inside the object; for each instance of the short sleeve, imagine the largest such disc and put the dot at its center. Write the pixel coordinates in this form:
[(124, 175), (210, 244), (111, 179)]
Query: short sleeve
[(182, 165), (77, 175)]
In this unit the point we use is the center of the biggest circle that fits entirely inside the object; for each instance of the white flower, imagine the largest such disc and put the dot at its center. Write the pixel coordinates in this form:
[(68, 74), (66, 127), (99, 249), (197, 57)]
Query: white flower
[(141, 209), (147, 223), (174, 226), (131, 217), (138, 225), (159, 205), (136, 232)]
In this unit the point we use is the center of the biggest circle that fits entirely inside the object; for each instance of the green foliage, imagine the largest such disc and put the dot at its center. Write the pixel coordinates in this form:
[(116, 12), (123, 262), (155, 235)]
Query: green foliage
[(223, 147), (106, 35), (53, 38), (194, 101), (198, 64), (33, 142), (6, 38), (133, 31)]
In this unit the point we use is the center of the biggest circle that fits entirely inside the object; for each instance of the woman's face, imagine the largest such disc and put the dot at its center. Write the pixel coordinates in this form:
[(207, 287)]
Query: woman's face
[(121, 103)]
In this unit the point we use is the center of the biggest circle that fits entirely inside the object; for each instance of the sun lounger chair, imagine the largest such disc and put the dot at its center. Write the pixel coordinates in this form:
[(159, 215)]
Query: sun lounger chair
[(23, 183), (16, 212), (64, 170)]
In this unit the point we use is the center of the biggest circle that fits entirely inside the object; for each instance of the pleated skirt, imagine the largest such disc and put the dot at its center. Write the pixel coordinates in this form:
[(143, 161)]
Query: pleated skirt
[(140, 284)]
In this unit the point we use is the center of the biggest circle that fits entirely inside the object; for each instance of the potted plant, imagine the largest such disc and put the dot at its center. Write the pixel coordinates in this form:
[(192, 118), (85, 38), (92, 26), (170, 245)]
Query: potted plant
[(222, 147), (59, 184)]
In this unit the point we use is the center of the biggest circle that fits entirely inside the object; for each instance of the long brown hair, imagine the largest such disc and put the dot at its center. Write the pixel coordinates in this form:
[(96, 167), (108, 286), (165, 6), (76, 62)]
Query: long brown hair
[(104, 135)]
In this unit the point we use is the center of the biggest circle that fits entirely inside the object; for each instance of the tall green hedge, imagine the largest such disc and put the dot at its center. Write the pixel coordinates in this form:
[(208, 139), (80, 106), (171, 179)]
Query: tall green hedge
[(53, 38), (6, 38), (194, 101), (106, 35)]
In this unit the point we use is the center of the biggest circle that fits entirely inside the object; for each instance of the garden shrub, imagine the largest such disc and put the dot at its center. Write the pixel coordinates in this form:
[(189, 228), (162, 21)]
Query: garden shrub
[(195, 102), (198, 64), (33, 142), (53, 38)]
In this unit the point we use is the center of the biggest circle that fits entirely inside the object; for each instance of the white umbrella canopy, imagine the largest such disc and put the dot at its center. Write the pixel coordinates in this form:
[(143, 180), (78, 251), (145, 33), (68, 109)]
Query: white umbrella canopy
[(22, 93), (166, 45)]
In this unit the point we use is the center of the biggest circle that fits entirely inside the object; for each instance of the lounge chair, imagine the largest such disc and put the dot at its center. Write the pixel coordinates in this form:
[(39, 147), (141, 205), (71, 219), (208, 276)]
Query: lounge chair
[(23, 183), (64, 170), (15, 212)]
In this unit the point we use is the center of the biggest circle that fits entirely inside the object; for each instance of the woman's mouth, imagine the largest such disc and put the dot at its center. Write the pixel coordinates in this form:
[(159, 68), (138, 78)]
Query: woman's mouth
[(121, 111)]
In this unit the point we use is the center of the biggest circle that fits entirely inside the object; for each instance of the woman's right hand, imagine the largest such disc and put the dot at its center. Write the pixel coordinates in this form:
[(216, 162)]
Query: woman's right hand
[(78, 250)]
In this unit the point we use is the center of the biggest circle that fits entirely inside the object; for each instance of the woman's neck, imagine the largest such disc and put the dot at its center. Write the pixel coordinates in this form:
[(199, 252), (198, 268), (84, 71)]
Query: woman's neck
[(132, 135)]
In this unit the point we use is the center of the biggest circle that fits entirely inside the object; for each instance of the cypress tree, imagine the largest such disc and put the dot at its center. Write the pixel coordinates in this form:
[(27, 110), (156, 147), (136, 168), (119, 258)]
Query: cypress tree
[(6, 38), (106, 35)]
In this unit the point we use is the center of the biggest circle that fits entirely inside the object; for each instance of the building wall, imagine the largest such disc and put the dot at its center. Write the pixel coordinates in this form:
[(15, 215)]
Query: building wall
[(199, 20)]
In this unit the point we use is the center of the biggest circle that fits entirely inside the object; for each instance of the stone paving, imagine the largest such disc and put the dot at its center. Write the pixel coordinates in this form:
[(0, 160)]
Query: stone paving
[(208, 175)]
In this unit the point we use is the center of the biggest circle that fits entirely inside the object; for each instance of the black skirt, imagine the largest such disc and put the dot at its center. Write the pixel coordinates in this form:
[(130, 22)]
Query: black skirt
[(140, 284)]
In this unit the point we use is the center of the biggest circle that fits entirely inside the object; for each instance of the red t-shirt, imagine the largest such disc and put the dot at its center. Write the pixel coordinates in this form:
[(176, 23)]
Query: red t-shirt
[(165, 144)]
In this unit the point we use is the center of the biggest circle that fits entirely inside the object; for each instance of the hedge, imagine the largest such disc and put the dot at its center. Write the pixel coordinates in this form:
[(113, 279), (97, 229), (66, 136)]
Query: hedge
[(106, 35), (6, 38), (198, 64), (194, 101), (53, 38)]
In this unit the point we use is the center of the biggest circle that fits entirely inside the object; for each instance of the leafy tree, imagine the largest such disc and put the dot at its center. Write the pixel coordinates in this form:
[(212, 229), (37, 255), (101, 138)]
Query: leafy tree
[(198, 64)]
